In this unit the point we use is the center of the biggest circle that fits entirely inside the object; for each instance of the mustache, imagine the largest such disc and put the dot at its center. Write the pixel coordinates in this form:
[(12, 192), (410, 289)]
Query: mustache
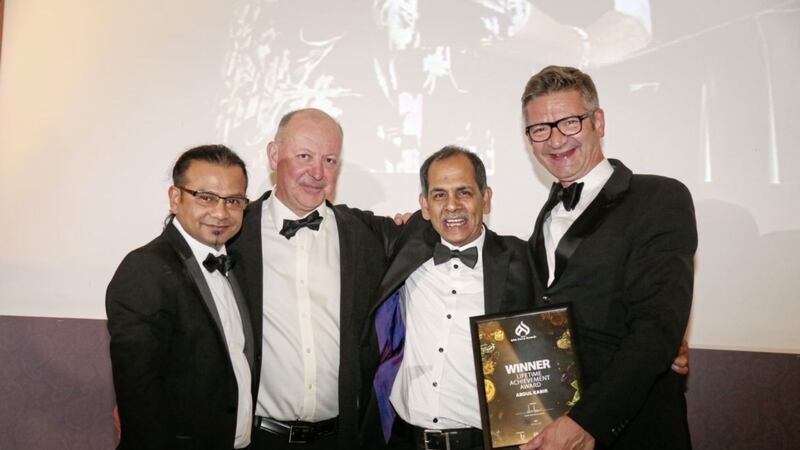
[(311, 182), (221, 223)]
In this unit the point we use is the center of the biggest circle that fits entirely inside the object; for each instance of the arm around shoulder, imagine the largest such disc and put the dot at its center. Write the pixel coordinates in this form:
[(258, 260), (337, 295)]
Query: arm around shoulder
[(384, 228)]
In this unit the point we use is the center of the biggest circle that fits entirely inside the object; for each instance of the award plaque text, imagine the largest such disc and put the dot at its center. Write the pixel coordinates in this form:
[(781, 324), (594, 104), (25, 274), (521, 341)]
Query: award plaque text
[(527, 372)]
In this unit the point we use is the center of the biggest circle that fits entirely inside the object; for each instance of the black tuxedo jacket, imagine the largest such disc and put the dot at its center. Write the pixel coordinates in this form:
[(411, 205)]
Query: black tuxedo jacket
[(626, 266), (506, 280), (173, 377), (362, 262)]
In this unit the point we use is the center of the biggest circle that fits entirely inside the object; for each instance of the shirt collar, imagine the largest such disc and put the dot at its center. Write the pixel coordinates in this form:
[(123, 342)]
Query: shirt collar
[(199, 249), (593, 182), (598, 176)]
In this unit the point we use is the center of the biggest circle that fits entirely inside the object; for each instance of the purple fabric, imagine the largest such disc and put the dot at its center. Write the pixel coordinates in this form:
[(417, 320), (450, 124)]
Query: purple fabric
[(391, 337)]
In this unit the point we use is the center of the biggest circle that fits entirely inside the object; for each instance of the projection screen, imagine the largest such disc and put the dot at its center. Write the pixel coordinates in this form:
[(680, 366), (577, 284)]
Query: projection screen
[(97, 98)]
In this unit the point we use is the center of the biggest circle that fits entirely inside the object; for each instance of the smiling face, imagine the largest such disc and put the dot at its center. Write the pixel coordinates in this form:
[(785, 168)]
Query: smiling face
[(305, 157), (567, 158), (211, 225), (454, 203)]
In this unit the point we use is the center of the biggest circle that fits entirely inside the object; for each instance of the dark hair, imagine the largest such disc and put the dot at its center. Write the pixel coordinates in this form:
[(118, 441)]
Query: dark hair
[(557, 79), (214, 154), (449, 152)]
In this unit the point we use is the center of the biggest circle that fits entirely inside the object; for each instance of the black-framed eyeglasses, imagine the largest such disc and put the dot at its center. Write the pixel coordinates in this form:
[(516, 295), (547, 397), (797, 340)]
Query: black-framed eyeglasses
[(209, 199), (568, 126)]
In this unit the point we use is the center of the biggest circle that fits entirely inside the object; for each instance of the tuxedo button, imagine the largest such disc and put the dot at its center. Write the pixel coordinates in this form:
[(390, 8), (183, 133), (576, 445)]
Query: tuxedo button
[(546, 299)]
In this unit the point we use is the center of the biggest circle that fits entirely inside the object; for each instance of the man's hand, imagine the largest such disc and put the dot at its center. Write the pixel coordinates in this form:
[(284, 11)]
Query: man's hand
[(117, 424), (563, 434), (401, 218), (681, 363)]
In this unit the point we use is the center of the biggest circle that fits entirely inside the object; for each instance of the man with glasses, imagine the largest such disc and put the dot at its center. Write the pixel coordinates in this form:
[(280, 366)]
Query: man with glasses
[(619, 248), (182, 348)]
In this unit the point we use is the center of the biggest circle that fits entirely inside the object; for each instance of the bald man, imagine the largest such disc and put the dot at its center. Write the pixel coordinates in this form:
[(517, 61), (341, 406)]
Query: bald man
[(309, 270)]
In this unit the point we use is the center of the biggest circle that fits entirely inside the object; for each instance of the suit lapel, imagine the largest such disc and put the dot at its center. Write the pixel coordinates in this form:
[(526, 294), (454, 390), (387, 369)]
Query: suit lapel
[(495, 272), (415, 246), (536, 241), (347, 282), (250, 264), (193, 269), (413, 253), (244, 313), (593, 216)]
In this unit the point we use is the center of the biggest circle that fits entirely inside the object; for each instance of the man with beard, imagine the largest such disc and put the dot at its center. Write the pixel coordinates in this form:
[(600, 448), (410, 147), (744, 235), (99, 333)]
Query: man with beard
[(181, 341)]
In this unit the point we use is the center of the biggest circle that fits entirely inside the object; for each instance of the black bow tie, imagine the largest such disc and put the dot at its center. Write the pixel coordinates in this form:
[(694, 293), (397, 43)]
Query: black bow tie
[(291, 227), (443, 254), (223, 263), (569, 196)]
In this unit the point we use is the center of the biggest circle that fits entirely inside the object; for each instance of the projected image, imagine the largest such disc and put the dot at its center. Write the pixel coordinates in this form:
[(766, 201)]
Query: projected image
[(412, 76), (691, 90), (704, 92), (409, 76)]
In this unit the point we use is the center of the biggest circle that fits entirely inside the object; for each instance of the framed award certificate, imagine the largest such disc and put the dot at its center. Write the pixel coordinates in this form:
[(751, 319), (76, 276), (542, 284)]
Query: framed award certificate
[(527, 372)]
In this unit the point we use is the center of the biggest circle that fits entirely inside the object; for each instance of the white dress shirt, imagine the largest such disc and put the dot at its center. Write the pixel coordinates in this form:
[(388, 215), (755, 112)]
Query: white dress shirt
[(231, 320), (559, 220), (300, 360), (435, 385)]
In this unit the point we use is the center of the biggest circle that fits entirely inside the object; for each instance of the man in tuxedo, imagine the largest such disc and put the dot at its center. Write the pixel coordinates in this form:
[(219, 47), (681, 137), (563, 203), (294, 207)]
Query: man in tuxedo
[(618, 247), (309, 272), (445, 266), (181, 341)]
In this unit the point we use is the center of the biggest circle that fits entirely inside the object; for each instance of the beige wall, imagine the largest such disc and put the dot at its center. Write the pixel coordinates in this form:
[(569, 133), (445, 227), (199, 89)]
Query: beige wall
[(2, 8)]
